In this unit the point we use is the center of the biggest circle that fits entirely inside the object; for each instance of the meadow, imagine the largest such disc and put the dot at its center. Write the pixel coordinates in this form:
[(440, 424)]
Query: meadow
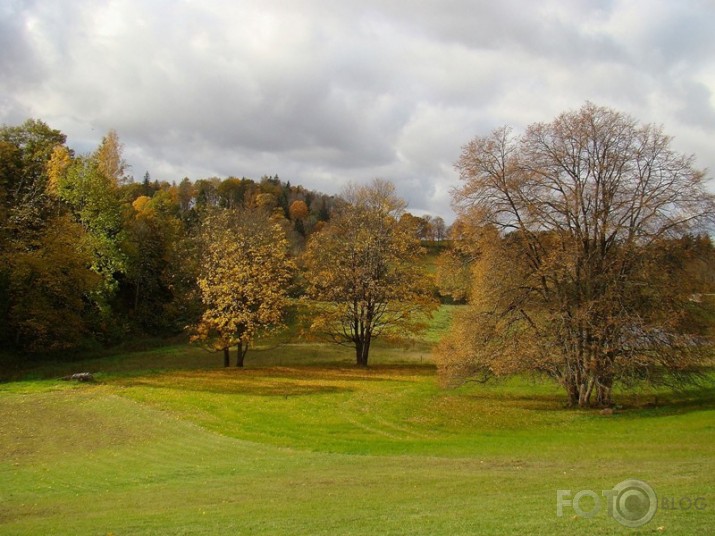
[(167, 441)]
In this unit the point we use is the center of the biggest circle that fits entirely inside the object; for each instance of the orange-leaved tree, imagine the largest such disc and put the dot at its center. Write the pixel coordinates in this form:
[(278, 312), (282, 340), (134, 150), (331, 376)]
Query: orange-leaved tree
[(364, 274), (579, 268)]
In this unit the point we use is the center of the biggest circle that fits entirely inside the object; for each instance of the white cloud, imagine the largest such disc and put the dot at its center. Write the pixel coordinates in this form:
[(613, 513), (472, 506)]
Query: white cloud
[(326, 92)]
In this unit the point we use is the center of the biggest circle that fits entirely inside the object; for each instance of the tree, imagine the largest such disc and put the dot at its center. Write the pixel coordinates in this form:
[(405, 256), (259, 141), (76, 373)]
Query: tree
[(363, 270), (25, 151), (440, 228), (232, 192), (455, 262), (206, 192), (152, 289), (44, 257), (298, 212), (572, 279), (110, 161), (89, 186), (49, 282), (415, 223), (146, 188), (186, 194), (244, 274)]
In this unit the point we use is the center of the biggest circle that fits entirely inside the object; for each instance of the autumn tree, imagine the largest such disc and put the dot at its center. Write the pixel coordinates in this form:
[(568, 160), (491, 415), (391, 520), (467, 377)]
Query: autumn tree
[(89, 186), (25, 152), (110, 161), (48, 287), (44, 255), (572, 278), (414, 223), (298, 211), (157, 289), (363, 272), (186, 194), (243, 280), (440, 228)]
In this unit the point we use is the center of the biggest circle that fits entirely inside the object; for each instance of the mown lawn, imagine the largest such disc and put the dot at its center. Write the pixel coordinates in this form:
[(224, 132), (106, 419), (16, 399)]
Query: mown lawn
[(167, 442)]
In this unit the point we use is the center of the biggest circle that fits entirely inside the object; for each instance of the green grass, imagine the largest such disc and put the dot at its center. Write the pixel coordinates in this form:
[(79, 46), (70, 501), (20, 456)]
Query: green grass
[(168, 442)]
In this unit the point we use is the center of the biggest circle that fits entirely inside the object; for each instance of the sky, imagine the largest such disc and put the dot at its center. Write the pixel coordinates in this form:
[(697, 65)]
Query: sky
[(322, 93)]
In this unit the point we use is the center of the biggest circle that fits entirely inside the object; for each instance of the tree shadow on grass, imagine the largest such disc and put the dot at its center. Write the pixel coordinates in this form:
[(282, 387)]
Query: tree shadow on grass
[(536, 401), (274, 381), (628, 404), (232, 384), (661, 404), (349, 372)]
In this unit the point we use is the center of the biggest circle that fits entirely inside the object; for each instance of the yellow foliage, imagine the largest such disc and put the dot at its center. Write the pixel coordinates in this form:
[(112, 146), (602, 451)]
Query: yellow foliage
[(57, 166), (245, 271), (298, 210), (140, 203), (364, 270)]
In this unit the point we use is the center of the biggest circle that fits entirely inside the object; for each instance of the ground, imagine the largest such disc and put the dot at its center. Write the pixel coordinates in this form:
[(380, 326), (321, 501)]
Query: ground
[(301, 442)]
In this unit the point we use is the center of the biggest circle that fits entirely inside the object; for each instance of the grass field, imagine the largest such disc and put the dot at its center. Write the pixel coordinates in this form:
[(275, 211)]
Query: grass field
[(168, 442)]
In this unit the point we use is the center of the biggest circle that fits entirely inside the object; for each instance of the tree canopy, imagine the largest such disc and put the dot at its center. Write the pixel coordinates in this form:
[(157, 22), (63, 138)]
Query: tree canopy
[(243, 279), (572, 278), (364, 274)]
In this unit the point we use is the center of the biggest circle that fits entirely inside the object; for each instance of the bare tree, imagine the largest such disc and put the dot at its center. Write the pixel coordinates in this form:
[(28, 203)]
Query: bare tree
[(573, 280), (440, 228)]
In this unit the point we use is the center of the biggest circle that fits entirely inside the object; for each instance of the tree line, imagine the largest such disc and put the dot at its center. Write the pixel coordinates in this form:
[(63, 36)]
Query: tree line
[(90, 256), (581, 251)]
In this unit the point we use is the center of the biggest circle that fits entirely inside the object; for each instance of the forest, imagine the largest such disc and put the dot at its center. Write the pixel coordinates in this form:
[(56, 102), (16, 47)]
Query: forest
[(580, 250), (91, 256)]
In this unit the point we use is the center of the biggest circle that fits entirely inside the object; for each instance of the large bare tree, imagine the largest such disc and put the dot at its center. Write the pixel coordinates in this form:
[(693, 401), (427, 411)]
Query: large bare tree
[(576, 276)]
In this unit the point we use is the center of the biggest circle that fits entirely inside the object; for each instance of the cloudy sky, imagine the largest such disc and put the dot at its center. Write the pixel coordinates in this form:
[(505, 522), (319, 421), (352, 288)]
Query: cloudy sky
[(325, 92)]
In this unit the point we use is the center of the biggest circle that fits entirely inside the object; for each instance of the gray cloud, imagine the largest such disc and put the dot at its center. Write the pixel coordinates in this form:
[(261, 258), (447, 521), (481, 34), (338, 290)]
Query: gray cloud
[(326, 92)]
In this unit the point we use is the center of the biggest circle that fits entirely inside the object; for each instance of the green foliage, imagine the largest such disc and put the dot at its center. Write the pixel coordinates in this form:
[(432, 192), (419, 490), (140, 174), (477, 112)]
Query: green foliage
[(92, 196)]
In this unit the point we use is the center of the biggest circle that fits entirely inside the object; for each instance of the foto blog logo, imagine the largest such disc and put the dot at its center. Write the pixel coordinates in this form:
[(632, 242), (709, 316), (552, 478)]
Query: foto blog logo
[(632, 503)]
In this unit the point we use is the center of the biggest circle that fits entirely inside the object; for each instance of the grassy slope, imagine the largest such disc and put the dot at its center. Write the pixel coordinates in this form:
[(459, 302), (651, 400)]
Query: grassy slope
[(302, 443)]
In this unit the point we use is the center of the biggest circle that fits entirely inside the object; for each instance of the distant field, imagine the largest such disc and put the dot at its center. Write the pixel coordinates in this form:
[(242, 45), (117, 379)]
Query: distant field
[(168, 442)]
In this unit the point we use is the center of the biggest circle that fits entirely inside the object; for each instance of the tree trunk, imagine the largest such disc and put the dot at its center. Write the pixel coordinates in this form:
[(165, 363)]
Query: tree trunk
[(570, 381), (359, 355), (584, 395), (241, 351), (225, 357), (136, 297), (603, 394), (362, 350), (572, 391)]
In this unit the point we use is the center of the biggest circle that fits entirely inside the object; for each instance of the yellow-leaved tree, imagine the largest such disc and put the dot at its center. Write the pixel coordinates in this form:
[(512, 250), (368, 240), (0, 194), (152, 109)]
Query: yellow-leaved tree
[(244, 273)]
